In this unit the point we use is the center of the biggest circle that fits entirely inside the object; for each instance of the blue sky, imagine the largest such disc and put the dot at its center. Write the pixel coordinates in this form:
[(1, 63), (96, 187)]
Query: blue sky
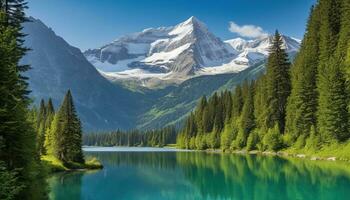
[(92, 23)]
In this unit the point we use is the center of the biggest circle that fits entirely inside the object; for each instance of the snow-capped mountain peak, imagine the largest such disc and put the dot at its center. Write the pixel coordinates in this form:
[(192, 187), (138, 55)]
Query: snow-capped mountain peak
[(156, 57)]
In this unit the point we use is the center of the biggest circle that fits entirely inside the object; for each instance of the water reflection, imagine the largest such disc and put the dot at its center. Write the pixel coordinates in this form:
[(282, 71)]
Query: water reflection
[(196, 175)]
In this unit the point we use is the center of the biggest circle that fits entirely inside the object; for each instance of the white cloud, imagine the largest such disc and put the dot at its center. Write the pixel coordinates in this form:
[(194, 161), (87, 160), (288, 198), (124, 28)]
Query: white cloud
[(250, 31)]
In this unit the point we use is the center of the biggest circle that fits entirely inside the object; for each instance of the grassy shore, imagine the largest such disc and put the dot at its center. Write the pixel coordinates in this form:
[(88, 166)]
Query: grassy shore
[(52, 164), (332, 152), (335, 152)]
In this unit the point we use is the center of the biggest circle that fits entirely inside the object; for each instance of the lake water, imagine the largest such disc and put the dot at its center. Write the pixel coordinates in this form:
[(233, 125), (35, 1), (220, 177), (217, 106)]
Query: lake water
[(152, 174)]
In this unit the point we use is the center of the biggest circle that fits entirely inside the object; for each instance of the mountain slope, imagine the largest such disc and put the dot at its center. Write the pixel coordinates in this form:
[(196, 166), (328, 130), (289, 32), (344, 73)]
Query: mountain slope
[(57, 67), (173, 107)]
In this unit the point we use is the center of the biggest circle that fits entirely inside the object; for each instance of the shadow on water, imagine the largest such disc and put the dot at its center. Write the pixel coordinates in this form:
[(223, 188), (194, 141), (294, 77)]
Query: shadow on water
[(198, 175)]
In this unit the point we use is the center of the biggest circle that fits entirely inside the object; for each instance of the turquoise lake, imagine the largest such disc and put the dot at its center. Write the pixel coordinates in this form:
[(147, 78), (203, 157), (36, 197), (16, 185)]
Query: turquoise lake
[(152, 174)]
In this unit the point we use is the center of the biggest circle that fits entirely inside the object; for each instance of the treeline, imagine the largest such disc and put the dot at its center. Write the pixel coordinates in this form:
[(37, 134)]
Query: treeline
[(304, 105), (21, 171), (59, 134), (149, 138)]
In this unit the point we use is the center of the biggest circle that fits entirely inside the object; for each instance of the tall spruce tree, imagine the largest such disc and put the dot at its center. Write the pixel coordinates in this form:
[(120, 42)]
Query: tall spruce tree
[(67, 133), (41, 127), (302, 103), (50, 114), (332, 116), (247, 119), (278, 83), (332, 112)]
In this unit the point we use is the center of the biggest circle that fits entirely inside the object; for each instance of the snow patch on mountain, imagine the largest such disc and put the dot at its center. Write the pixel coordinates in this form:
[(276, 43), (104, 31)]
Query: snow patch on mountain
[(167, 55)]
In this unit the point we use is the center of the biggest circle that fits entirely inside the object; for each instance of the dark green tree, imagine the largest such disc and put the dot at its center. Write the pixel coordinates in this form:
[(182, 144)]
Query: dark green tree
[(277, 83), (18, 150), (332, 121), (41, 127), (302, 103), (247, 118)]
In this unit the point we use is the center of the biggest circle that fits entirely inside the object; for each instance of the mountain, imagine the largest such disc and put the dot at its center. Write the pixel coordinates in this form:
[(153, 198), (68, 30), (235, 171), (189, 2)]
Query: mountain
[(57, 67), (206, 65), (173, 107), (158, 57)]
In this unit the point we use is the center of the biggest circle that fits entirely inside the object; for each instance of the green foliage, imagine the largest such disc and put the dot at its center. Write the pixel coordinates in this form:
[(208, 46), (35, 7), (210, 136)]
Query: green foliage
[(273, 140), (277, 84), (10, 187), (302, 103), (304, 108), (332, 121), (18, 148), (314, 140), (226, 137), (66, 133), (252, 141)]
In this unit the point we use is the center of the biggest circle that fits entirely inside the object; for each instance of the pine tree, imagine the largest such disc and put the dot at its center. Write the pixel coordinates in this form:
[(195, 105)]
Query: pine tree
[(332, 115), (247, 121), (302, 103), (50, 114), (237, 102), (278, 83), (329, 29), (40, 127), (344, 34), (199, 114), (260, 103), (332, 121), (67, 133), (18, 150)]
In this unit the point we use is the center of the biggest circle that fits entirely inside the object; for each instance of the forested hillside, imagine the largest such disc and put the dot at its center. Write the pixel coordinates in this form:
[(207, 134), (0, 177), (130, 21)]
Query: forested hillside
[(149, 138), (301, 106)]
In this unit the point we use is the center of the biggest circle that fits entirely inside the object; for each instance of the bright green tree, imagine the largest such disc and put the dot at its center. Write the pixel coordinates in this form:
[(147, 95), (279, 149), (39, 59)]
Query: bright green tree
[(67, 133)]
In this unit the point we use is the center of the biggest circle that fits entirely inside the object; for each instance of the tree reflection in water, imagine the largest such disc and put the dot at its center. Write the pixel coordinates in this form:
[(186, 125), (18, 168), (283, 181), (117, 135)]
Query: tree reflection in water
[(199, 175)]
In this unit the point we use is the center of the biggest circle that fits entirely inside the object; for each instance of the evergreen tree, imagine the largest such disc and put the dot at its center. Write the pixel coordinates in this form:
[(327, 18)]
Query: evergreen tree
[(50, 114), (247, 122), (277, 83), (67, 133), (41, 127), (302, 103), (18, 149), (332, 121), (330, 18), (332, 116), (237, 102)]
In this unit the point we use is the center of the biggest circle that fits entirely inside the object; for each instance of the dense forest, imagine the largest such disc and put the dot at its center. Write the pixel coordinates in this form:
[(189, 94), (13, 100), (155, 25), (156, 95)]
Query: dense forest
[(21, 170), (28, 137), (299, 105), (59, 134), (149, 138)]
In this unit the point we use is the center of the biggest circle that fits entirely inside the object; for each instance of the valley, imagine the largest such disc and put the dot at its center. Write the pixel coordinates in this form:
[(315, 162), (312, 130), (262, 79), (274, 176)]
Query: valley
[(119, 85)]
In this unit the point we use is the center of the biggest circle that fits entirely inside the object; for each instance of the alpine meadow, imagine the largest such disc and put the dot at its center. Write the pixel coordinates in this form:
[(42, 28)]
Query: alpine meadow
[(154, 103)]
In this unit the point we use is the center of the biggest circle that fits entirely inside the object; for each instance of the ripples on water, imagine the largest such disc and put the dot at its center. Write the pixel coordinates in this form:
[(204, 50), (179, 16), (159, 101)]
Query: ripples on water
[(149, 174)]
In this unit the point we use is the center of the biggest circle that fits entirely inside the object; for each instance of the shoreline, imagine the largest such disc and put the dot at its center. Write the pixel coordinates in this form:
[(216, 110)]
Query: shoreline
[(283, 154), (53, 165)]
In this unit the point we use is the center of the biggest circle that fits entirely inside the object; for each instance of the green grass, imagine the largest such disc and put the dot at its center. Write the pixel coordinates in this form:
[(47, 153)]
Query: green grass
[(93, 163), (52, 164), (340, 151)]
